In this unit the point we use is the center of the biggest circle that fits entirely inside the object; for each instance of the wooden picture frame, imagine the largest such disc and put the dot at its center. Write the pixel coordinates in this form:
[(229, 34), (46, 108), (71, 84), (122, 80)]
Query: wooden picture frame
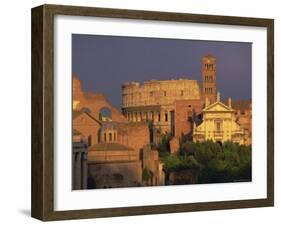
[(43, 112)]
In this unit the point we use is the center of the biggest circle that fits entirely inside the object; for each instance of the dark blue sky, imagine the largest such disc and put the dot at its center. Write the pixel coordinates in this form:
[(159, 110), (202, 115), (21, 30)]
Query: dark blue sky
[(104, 63)]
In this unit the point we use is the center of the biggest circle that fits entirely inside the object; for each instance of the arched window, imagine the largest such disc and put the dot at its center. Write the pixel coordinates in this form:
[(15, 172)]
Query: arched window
[(104, 137), (110, 137), (105, 114)]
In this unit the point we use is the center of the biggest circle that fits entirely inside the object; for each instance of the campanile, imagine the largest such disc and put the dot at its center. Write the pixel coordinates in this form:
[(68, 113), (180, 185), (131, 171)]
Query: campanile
[(209, 85)]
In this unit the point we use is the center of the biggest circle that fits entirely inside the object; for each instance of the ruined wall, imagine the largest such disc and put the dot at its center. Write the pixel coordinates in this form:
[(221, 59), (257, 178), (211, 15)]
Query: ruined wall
[(93, 101), (184, 111), (152, 164), (134, 135)]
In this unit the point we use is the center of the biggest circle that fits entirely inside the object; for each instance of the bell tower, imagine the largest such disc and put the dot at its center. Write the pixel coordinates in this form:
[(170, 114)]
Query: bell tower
[(209, 77)]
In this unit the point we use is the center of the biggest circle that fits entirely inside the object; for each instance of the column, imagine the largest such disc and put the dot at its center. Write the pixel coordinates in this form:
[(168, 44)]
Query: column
[(127, 115), (78, 170), (162, 113), (73, 169), (84, 170)]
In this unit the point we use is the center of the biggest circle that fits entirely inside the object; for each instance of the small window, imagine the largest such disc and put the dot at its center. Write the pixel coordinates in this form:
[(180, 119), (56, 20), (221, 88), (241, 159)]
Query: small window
[(181, 92), (218, 126), (104, 137), (110, 137), (151, 93), (89, 140), (165, 93)]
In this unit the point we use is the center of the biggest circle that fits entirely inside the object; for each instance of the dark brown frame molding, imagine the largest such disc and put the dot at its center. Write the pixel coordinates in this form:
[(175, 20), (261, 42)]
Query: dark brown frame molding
[(42, 203)]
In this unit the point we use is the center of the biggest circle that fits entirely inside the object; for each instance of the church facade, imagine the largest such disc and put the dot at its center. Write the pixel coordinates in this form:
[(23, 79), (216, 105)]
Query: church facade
[(219, 124)]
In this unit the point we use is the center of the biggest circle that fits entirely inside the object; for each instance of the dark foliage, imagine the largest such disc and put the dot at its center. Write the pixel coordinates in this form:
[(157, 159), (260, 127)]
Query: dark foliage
[(217, 163)]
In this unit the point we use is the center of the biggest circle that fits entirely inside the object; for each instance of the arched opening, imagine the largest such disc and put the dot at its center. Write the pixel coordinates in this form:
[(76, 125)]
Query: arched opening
[(105, 114)]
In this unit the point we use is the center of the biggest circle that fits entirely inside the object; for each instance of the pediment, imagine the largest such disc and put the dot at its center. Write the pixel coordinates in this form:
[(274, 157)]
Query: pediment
[(217, 106)]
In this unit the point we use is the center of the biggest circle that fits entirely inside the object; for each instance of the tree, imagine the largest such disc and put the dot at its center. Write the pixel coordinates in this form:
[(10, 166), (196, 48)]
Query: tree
[(218, 163)]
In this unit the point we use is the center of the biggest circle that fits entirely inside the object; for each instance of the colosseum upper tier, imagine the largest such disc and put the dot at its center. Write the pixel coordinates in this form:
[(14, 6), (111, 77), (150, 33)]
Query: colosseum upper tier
[(159, 92)]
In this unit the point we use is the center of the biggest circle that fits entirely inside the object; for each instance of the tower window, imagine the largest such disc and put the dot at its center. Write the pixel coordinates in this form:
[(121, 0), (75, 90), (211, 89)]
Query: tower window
[(166, 117)]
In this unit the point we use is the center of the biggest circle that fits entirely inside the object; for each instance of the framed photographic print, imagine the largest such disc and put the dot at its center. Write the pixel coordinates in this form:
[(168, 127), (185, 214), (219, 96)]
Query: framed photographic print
[(141, 112)]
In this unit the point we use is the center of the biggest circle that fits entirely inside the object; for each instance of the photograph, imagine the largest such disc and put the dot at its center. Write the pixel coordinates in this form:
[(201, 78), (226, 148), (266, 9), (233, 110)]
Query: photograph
[(160, 112)]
